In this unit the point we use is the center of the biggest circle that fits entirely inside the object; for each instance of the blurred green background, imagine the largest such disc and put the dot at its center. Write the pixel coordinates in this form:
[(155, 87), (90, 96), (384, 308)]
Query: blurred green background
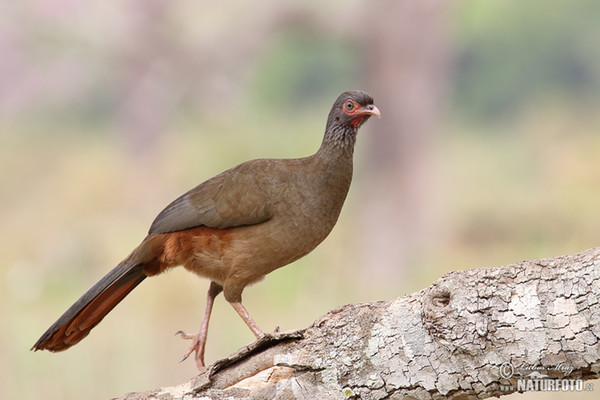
[(487, 154)]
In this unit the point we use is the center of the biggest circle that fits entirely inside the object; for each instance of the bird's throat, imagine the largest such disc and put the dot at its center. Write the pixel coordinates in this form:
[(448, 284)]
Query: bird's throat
[(356, 121)]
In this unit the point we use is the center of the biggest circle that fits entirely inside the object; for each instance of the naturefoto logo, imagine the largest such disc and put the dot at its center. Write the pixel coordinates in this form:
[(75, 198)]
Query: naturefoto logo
[(537, 378)]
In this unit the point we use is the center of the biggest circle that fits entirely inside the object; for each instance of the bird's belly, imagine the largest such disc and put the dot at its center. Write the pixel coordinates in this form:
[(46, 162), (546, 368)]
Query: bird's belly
[(259, 250), (247, 252)]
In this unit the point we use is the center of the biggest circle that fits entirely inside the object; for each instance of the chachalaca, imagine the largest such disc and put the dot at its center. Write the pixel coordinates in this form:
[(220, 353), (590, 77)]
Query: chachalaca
[(234, 229)]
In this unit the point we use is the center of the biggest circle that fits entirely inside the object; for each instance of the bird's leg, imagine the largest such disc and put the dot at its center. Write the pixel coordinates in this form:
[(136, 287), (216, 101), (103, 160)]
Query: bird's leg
[(199, 339), (241, 310)]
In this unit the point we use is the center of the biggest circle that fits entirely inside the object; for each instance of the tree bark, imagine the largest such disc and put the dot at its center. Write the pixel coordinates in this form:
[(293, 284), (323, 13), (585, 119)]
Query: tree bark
[(472, 334)]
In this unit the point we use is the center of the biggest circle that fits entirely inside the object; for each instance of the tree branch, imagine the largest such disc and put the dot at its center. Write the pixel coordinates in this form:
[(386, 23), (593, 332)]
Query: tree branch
[(472, 334)]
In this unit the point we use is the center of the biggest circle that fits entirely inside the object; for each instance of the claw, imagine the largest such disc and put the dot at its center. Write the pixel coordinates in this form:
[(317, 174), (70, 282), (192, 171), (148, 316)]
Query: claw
[(199, 339), (184, 335), (194, 348)]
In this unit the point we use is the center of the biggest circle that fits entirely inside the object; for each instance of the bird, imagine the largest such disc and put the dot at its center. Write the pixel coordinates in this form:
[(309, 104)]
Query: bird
[(234, 229)]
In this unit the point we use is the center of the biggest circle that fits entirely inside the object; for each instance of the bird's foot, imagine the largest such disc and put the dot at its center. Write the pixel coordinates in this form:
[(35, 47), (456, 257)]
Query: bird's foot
[(196, 347)]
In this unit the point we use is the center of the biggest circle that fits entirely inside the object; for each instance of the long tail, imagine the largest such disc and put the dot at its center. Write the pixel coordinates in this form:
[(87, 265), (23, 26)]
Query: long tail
[(77, 322)]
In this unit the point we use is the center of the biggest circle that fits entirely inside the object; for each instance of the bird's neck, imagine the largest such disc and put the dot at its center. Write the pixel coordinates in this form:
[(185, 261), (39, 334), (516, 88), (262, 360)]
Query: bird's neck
[(338, 144), (334, 161)]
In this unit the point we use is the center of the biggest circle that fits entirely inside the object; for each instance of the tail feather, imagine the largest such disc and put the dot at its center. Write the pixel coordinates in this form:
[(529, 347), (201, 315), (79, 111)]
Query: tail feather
[(77, 322)]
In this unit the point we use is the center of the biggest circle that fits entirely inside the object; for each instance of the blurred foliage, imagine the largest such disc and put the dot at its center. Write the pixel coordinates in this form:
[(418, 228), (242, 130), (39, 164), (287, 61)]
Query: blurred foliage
[(511, 57), (301, 68)]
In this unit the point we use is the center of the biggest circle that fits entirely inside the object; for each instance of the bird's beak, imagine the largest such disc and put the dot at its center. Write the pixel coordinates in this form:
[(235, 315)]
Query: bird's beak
[(370, 110)]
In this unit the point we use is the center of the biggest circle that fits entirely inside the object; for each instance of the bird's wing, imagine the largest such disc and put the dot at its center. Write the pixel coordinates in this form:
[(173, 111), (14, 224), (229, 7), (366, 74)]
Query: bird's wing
[(239, 196)]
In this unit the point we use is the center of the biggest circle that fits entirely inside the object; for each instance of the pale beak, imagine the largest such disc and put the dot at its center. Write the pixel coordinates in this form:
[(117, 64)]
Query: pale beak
[(370, 110)]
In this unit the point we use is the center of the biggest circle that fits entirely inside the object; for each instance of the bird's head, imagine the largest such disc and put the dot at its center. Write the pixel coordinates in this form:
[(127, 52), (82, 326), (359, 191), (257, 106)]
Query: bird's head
[(353, 108), (349, 112)]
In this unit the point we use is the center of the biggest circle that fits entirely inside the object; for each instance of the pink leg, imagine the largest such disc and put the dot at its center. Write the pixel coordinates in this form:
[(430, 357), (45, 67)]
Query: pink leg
[(199, 339), (241, 310)]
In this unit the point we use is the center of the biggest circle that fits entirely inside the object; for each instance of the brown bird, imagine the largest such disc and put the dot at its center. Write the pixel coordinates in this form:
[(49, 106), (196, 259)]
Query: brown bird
[(234, 229)]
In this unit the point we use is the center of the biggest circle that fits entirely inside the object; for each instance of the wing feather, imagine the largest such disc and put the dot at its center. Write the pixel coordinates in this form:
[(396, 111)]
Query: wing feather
[(239, 196)]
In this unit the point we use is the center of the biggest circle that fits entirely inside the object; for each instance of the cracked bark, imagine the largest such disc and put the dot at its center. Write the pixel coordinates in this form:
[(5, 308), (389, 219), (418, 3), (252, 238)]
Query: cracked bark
[(453, 340)]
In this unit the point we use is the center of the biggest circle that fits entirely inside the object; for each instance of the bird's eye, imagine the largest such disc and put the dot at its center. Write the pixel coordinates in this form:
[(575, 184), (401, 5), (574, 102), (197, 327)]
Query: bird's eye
[(349, 105)]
